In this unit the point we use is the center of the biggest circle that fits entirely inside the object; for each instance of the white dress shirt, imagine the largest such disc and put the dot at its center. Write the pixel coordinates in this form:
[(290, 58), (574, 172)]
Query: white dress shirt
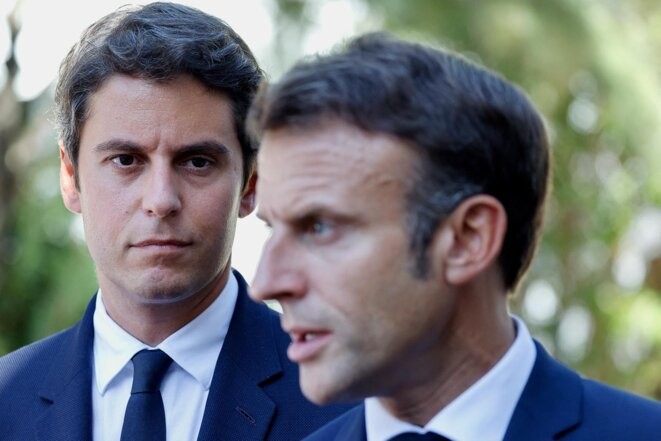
[(482, 412), (194, 350)]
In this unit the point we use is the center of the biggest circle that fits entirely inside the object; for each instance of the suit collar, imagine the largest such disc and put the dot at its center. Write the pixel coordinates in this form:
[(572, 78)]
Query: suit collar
[(550, 406), (350, 426), (237, 407), (66, 391), (354, 428), (551, 403)]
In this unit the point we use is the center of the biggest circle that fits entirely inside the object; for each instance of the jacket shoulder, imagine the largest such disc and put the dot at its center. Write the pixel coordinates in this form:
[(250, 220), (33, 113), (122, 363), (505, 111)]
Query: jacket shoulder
[(24, 366), (22, 376), (611, 413)]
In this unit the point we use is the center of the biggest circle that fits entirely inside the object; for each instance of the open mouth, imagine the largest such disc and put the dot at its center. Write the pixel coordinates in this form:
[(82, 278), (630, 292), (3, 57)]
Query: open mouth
[(306, 345)]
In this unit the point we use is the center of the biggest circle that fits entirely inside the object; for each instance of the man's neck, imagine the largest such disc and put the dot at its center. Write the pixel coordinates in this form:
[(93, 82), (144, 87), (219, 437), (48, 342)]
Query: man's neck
[(152, 323), (480, 334)]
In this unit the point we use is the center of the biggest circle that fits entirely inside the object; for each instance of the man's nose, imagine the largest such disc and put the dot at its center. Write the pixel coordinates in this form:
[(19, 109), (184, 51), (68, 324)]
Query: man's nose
[(279, 274), (161, 193)]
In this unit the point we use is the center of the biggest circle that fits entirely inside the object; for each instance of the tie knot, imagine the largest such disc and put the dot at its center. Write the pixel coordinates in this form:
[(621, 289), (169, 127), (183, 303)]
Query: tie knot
[(412, 436), (149, 367)]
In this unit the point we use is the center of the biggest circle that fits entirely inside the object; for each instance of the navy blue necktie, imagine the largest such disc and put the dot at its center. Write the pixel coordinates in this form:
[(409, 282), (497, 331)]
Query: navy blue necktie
[(412, 436), (144, 419)]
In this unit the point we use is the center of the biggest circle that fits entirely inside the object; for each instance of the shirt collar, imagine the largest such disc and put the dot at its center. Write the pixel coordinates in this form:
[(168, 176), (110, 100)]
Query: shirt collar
[(195, 347), (482, 412)]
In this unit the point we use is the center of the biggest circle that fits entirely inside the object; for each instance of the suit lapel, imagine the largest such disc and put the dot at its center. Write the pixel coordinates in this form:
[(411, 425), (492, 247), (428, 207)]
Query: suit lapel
[(551, 403), (237, 408), (66, 393)]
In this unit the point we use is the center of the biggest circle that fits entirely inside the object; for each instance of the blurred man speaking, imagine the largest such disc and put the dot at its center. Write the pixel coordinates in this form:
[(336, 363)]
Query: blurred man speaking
[(152, 103), (405, 189)]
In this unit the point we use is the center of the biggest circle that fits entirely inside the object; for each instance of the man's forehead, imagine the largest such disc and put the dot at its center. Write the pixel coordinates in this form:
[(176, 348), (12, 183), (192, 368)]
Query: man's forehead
[(329, 167), (332, 142), (181, 103)]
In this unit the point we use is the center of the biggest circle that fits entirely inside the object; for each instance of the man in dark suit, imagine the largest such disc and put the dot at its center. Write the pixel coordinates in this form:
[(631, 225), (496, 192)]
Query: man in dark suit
[(151, 104), (404, 187)]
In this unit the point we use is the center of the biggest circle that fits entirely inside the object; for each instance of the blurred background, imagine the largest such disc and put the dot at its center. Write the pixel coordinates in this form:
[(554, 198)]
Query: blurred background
[(593, 67)]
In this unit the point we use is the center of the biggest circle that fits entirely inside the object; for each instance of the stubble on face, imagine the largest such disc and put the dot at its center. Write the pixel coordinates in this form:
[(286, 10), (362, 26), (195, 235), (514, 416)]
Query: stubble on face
[(378, 319)]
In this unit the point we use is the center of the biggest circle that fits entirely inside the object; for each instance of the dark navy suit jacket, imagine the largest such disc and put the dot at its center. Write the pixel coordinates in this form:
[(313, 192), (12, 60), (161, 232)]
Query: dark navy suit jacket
[(45, 388), (556, 404)]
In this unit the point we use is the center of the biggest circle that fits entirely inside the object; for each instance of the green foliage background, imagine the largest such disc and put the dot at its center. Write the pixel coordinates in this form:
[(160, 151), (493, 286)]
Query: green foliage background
[(594, 70)]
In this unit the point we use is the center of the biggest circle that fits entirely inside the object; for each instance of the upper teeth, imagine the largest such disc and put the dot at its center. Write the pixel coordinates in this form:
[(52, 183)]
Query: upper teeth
[(309, 336)]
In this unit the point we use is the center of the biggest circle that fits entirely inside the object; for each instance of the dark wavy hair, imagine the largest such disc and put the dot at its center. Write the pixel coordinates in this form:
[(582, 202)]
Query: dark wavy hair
[(473, 132), (159, 42)]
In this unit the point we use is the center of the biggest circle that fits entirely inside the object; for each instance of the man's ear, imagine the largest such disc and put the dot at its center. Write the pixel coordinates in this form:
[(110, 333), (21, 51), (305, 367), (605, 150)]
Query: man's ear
[(473, 238), (248, 196), (68, 186)]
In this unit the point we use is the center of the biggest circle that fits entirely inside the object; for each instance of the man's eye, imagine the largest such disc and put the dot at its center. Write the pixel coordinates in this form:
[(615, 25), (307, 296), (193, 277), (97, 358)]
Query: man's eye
[(319, 228), (319, 231), (199, 162), (124, 160)]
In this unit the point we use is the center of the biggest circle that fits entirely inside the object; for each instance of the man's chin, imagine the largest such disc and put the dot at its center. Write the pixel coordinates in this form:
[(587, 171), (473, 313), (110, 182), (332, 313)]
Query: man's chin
[(317, 398), (322, 394), (165, 296)]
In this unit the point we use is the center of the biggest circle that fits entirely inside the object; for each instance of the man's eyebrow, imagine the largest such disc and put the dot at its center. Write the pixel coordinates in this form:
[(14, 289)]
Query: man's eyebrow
[(117, 144), (204, 147), (306, 214), (201, 147)]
